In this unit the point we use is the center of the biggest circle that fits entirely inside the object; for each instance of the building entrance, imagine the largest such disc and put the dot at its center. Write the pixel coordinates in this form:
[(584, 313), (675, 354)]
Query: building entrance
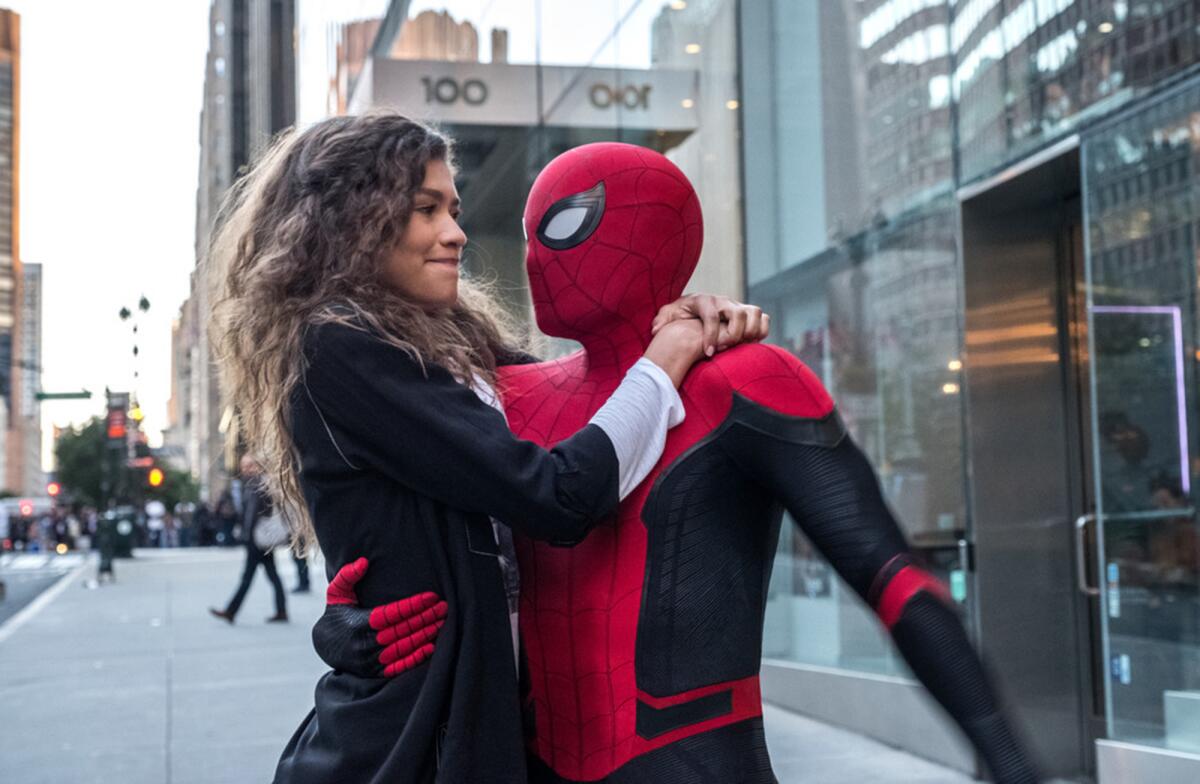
[(1029, 452), (1081, 370)]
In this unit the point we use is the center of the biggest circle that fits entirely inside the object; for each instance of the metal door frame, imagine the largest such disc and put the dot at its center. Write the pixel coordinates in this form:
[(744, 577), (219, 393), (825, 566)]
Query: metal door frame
[(1072, 322)]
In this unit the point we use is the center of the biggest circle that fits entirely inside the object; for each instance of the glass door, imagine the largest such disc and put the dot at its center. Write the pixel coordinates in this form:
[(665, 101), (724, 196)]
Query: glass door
[(1141, 182)]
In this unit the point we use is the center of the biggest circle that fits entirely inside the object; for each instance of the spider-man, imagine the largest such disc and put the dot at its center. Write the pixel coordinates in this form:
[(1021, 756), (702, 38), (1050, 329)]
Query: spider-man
[(642, 643)]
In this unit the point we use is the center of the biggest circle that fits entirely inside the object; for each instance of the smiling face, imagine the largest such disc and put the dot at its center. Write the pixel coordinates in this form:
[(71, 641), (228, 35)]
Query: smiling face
[(423, 265)]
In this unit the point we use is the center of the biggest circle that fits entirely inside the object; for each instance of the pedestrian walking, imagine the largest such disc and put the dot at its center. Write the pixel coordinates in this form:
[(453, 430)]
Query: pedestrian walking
[(106, 545), (256, 505)]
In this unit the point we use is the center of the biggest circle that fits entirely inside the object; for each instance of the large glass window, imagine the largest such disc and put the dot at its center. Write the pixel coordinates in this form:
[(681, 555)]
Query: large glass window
[(851, 236), (1143, 201), (865, 117), (1027, 71)]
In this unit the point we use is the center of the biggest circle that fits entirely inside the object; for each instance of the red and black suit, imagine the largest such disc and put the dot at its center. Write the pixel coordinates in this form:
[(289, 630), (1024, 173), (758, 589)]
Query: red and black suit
[(642, 643)]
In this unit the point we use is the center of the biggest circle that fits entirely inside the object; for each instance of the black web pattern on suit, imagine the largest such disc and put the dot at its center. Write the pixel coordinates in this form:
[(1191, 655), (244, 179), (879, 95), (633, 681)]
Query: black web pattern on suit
[(936, 648)]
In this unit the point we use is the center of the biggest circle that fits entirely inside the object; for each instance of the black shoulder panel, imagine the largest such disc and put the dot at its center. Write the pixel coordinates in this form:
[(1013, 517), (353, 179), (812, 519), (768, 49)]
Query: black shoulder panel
[(828, 431)]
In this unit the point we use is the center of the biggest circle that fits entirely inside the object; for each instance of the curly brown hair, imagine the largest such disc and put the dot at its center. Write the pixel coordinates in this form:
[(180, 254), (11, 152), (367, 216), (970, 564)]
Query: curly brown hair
[(300, 241)]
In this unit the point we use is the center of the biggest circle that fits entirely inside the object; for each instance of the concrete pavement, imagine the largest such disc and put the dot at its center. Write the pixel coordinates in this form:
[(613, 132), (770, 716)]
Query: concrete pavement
[(134, 683), (24, 576)]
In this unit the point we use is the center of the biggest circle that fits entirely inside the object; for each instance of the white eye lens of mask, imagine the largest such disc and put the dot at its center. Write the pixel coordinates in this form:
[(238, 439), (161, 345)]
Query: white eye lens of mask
[(565, 223)]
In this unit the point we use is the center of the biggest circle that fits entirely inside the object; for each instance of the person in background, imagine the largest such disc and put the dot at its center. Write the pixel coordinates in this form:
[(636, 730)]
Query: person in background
[(155, 526), (256, 504), (226, 515), (205, 525), (302, 583)]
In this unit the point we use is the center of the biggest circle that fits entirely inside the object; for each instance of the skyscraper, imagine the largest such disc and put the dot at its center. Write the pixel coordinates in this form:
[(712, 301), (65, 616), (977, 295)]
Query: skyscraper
[(249, 96), (30, 354), (10, 256)]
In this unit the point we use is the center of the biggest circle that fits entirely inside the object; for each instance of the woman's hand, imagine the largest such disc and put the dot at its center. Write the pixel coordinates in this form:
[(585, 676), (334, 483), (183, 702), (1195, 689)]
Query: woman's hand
[(677, 346), (725, 322)]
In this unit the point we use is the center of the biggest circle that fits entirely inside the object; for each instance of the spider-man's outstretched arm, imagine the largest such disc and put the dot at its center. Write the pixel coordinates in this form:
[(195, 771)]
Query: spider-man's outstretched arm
[(826, 483)]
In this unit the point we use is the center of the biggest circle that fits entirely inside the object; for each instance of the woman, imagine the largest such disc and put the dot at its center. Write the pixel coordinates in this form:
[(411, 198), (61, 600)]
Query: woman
[(361, 367)]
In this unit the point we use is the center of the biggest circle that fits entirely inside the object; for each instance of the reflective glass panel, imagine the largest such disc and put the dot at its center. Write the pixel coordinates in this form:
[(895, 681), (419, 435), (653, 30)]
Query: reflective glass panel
[(1141, 206), (850, 233), (1029, 71)]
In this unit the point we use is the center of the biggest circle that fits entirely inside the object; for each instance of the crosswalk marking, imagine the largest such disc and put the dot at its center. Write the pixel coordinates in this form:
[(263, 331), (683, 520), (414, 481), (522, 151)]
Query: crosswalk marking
[(30, 561)]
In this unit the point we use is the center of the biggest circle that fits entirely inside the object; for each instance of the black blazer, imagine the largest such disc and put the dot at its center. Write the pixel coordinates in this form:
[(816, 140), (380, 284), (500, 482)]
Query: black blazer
[(404, 465)]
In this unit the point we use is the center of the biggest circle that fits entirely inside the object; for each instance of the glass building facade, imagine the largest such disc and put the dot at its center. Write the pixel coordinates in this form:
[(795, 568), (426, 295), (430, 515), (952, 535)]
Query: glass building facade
[(1141, 180), (889, 179)]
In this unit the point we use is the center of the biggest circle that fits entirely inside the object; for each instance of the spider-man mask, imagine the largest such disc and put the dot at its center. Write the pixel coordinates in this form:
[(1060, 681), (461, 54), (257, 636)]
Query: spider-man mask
[(614, 232)]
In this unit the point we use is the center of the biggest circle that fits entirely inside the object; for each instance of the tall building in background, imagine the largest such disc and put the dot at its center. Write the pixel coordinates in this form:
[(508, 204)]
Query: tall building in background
[(179, 444), (430, 35), (435, 35), (355, 40), (10, 246), (249, 96), (222, 151), (270, 75), (30, 354)]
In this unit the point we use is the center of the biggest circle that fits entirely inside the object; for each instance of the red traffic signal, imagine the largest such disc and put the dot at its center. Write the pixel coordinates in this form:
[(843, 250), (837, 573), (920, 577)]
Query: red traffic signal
[(155, 477), (115, 424), (53, 489)]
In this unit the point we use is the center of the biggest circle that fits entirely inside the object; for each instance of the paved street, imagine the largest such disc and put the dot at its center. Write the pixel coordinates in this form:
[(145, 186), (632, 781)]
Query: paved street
[(26, 575), (134, 683)]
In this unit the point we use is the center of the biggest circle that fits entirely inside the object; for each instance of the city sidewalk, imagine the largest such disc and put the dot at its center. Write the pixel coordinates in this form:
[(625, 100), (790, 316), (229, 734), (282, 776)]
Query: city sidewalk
[(134, 683)]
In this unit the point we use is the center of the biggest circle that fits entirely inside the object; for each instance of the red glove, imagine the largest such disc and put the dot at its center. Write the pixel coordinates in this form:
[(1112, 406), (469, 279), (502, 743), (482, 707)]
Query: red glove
[(380, 642)]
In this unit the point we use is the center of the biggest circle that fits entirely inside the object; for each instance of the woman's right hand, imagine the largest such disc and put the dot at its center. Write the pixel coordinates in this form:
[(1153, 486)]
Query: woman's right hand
[(676, 347)]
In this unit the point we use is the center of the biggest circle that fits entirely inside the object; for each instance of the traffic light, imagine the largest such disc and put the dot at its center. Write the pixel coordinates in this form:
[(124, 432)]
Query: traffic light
[(115, 425), (155, 477), (53, 489), (116, 422)]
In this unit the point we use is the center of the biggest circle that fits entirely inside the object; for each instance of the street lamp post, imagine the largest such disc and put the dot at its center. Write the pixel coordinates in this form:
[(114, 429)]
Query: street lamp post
[(134, 408), (143, 306)]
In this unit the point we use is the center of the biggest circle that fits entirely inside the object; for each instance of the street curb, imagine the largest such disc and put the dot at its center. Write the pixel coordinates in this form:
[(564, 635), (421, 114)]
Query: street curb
[(9, 627)]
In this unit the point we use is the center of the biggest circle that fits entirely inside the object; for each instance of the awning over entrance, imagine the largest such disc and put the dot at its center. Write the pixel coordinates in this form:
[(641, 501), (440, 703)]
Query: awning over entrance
[(498, 94)]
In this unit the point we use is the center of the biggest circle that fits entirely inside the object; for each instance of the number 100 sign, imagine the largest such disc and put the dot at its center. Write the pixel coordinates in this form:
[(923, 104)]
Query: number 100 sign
[(448, 90)]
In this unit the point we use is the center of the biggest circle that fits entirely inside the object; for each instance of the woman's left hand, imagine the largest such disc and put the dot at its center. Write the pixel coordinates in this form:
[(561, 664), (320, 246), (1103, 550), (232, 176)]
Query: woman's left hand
[(742, 323)]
